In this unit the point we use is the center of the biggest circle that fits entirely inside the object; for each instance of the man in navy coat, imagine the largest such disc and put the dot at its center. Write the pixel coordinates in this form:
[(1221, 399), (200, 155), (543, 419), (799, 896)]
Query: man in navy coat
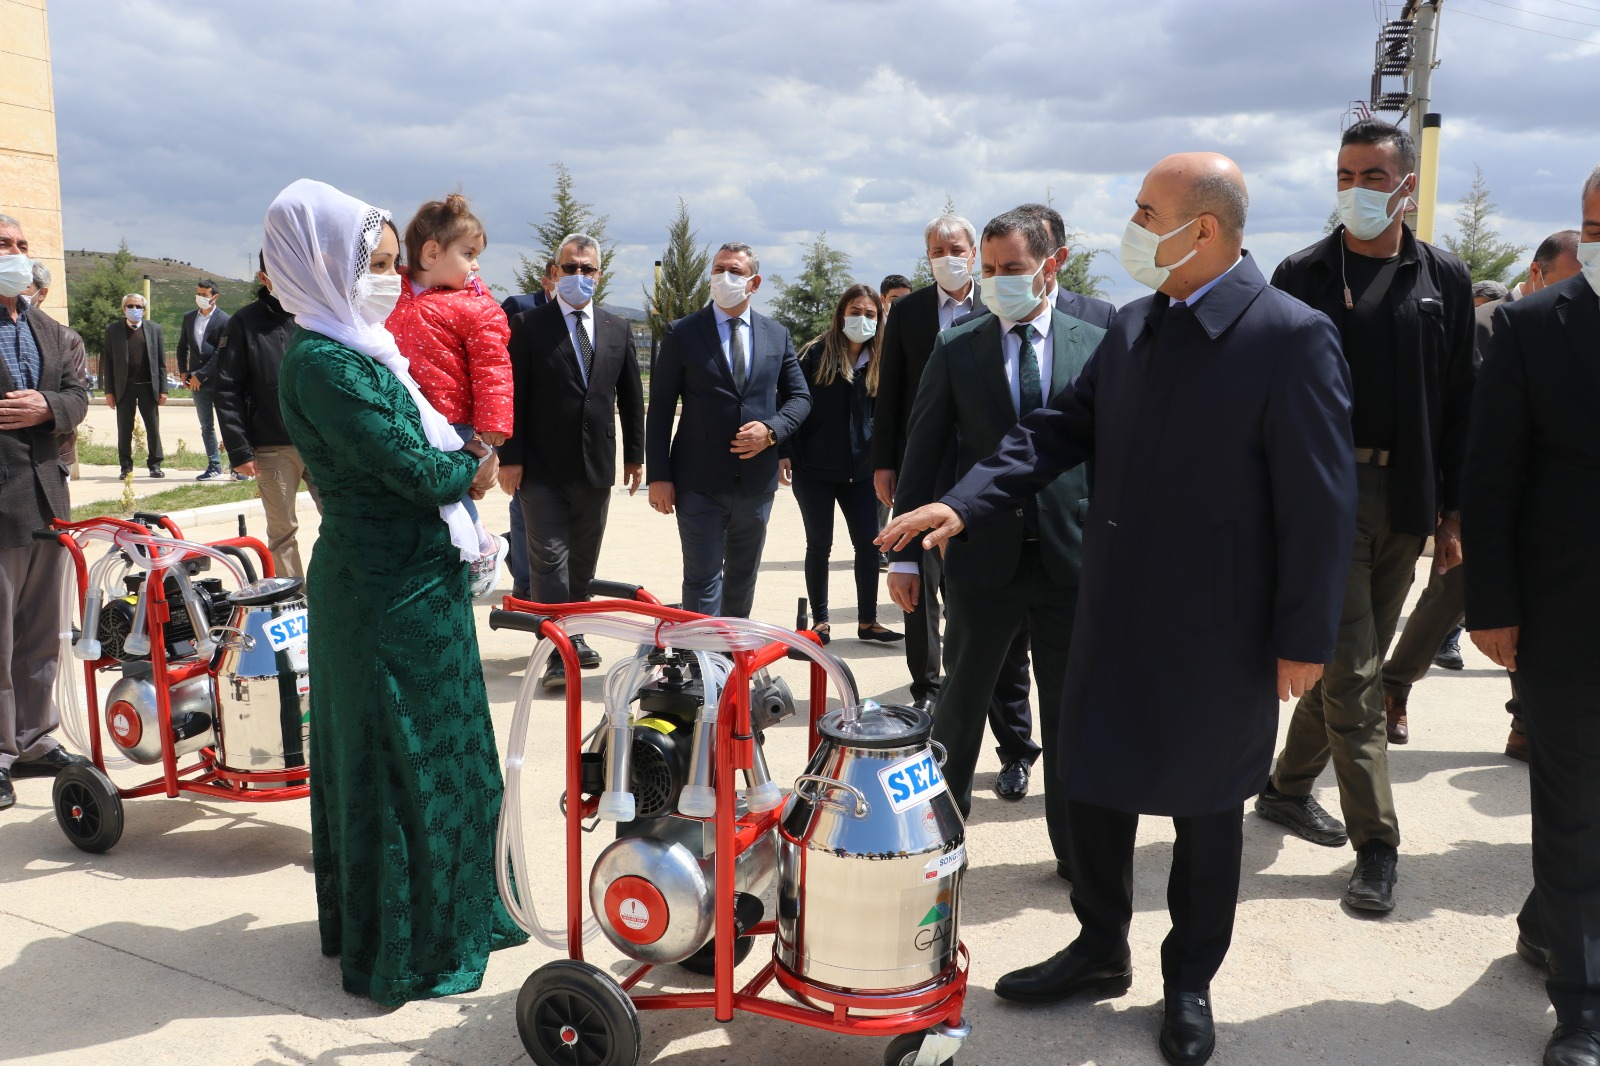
[(1216, 414), (743, 393)]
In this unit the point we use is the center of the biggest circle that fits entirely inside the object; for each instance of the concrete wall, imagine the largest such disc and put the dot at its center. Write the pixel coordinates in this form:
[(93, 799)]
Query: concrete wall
[(30, 179)]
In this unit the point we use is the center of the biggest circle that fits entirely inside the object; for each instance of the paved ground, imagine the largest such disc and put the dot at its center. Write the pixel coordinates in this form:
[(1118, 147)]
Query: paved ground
[(194, 940)]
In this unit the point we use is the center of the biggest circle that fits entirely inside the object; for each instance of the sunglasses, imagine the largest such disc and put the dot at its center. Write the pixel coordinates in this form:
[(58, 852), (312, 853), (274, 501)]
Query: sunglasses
[(585, 269)]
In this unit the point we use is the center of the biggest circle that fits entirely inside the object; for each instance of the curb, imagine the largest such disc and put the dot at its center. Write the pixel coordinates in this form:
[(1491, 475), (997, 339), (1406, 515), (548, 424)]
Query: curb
[(200, 516)]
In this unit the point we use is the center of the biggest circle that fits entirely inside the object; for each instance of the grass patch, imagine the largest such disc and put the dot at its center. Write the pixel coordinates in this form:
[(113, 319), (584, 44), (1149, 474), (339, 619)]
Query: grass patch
[(92, 453), (199, 494)]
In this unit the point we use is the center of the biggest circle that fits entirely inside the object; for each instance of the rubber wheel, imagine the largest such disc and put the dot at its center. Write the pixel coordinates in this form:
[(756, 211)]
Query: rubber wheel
[(571, 1014), (903, 1050), (704, 961), (88, 808)]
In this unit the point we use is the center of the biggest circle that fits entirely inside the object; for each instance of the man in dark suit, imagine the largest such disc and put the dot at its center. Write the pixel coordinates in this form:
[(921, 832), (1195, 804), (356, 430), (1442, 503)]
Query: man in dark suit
[(743, 392), (197, 351), (1437, 616), (575, 371), (42, 399), (1023, 570), (133, 372), (517, 556), (1218, 373), (1530, 505)]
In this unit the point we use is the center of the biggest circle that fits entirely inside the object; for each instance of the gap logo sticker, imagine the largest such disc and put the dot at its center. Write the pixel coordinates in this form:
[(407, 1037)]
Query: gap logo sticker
[(912, 780), (934, 927), (288, 628)]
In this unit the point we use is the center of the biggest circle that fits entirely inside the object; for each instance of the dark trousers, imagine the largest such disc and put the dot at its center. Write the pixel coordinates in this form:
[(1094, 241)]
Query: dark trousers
[(142, 398), (722, 535), (817, 497), (565, 525), (205, 410), (1562, 719), (1202, 889), (984, 623), (922, 630), (30, 634), (1438, 611), (517, 557)]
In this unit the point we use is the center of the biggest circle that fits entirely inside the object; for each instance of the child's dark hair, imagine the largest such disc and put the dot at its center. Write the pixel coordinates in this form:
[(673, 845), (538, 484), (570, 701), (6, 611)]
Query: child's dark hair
[(445, 221)]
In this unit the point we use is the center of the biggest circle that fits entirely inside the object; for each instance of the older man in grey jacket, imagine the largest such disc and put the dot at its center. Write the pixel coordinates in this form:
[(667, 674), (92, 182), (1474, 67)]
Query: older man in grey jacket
[(42, 399)]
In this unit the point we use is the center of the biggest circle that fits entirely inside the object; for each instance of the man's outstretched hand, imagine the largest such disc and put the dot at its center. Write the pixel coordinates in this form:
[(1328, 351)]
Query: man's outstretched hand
[(942, 522)]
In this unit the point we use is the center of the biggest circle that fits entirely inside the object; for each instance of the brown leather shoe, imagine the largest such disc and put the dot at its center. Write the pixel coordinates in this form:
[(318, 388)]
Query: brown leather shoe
[(1517, 745), (1395, 710)]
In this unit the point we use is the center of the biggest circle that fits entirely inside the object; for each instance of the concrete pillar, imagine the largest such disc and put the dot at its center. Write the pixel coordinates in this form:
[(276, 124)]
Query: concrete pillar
[(30, 178)]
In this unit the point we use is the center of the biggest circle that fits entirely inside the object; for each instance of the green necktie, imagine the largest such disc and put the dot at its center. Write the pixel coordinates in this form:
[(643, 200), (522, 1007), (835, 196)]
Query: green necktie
[(1031, 393)]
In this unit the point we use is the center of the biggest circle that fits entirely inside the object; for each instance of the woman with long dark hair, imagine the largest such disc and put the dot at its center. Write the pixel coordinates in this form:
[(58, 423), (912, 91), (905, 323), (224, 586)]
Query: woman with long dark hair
[(830, 461)]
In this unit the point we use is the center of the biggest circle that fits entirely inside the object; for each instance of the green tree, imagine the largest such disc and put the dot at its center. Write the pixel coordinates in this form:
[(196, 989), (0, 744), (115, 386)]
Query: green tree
[(1479, 245), (567, 215), (96, 301), (1332, 223), (805, 307), (685, 282)]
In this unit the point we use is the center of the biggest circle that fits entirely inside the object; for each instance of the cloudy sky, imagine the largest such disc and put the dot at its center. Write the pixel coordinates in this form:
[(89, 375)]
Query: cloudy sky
[(179, 122)]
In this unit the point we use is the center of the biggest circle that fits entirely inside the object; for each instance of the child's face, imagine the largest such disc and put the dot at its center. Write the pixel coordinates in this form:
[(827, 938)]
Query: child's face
[(450, 266)]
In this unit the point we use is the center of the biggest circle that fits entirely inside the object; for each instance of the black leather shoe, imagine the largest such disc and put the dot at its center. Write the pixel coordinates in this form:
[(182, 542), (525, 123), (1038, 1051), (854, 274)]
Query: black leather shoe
[(555, 673), (1534, 955), (1012, 784), (1304, 815), (157, 472), (588, 658), (924, 704), (1187, 1035), (1372, 884), (8, 795), (1449, 653), (1065, 974), (1572, 1045), (49, 764)]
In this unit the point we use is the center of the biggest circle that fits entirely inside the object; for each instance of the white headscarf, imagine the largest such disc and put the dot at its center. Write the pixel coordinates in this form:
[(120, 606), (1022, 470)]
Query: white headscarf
[(317, 246)]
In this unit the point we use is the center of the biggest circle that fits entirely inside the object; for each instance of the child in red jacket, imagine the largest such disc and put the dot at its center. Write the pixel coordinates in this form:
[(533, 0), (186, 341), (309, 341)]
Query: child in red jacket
[(454, 334)]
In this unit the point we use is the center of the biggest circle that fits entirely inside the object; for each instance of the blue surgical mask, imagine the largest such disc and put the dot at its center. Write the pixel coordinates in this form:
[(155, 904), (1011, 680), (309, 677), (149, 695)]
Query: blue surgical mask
[(135, 314), (576, 289), (1011, 296)]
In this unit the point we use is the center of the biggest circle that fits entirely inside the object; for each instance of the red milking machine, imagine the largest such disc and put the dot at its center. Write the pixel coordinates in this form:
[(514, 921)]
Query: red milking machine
[(207, 669), (868, 849)]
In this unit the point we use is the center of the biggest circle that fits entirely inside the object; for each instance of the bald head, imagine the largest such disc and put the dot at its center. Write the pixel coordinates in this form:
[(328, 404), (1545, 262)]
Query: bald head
[(1203, 193), (1209, 184)]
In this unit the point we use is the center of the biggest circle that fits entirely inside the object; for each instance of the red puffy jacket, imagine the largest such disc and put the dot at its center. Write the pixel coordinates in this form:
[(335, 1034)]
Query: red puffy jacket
[(455, 340)]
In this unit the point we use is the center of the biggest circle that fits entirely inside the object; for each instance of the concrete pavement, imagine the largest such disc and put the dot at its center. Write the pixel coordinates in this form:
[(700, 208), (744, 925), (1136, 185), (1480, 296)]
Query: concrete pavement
[(194, 939)]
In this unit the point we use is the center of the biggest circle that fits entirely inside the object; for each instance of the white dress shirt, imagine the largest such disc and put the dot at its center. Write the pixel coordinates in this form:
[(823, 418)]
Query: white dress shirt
[(569, 315), (201, 320), (951, 308), (744, 330)]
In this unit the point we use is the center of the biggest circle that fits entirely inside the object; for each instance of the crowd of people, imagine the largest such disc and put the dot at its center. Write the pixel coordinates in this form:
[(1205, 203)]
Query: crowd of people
[(1048, 477)]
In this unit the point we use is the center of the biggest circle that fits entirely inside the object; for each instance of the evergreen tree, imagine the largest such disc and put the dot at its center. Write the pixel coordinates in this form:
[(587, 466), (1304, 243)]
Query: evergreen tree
[(1332, 223), (567, 215), (96, 301), (685, 282), (1479, 245), (805, 307)]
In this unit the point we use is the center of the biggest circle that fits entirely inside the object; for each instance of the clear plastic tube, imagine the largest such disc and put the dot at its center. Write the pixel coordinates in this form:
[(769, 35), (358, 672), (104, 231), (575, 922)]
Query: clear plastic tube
[(625, 679), (698, 799)]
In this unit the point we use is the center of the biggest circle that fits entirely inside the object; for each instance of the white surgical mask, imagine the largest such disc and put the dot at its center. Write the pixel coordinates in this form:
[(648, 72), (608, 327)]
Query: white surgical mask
[(203, 302), (1011, 296), (952, 272), (1138, 254), (860, 328), (728, 290), (1365, 212), (376, 295), (1589, 260), (16, 274)]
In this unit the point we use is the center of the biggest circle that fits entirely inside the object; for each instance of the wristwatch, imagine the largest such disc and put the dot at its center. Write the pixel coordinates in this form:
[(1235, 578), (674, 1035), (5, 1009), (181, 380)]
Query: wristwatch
[(772, 438)]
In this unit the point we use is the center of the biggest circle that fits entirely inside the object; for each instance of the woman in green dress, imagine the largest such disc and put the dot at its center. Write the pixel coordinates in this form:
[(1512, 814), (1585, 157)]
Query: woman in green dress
[(405, 779)]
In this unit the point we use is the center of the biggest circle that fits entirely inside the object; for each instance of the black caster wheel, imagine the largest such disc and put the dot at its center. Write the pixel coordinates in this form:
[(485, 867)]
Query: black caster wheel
[(903, 1050), (88, 808), (704, 961), (571, 1014)]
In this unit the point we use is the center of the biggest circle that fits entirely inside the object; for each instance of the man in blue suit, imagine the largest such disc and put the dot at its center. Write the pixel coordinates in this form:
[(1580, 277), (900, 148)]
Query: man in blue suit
[(743, 392), (1217, 417)]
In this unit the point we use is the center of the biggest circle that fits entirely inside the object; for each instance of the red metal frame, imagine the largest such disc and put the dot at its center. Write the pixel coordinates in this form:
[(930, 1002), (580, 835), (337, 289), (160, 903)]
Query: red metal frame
[(206, 777), (941, 1001)]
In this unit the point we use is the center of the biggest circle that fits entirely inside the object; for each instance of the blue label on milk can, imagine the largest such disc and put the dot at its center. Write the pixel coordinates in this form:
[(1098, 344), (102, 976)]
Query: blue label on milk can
[(912, 780)]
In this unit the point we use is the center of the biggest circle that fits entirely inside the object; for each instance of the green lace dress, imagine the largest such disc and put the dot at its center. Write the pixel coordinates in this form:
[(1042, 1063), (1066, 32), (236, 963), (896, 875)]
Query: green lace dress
[(405, 777)]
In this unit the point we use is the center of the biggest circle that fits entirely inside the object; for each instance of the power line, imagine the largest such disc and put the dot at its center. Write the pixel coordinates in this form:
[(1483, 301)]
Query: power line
[(1540, 14), (1580, 7), (1525, 29)]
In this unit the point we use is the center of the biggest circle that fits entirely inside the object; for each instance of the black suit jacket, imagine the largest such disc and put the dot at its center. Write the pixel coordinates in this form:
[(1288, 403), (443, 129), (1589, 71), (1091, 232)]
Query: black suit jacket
[(201, 360), (1531, 502), (517, 303), (565, 433), (691, 367), (1224, 504), (965, 401), (1090, 309), (908, 336), (114, 357), (33, 463)]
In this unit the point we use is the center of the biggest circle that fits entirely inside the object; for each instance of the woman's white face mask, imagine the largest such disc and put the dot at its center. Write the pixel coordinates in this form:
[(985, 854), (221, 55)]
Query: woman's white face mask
[(376, 295)]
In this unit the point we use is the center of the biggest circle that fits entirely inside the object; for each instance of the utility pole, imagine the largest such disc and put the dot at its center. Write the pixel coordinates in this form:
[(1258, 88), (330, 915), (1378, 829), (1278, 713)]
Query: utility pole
[(1408, 48)]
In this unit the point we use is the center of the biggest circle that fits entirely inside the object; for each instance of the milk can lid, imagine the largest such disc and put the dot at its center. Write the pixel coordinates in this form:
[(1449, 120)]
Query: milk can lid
[(267, 590), (878, 726)]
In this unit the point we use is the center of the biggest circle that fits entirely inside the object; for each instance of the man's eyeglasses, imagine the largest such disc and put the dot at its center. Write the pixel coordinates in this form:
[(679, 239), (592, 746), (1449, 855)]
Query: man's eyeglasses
[(586, 269)]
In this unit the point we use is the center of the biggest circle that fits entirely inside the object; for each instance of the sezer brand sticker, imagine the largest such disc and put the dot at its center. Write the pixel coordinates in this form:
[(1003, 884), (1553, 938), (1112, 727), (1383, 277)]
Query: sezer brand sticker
[(912, 780), (286, 629), (945, 864)]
